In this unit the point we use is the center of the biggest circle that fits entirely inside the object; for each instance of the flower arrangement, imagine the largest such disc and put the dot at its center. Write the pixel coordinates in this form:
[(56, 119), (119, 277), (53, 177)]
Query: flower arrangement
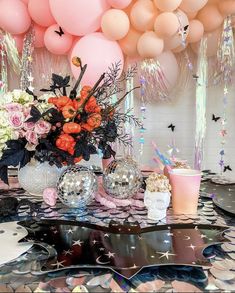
[(63, 129)]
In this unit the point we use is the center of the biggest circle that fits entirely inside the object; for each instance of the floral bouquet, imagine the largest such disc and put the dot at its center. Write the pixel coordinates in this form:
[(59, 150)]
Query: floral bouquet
[(63, 129)]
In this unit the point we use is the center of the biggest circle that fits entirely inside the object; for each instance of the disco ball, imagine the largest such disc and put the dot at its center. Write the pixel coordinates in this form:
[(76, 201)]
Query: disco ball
[(122, 178), (76, 186)]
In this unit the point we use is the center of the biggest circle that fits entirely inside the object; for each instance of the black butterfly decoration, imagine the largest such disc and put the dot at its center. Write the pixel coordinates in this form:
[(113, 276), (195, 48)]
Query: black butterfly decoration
[(53, 114), (214, 118), (227, 168), (185, 28), (58, 82), (60, 32), (172, 127)]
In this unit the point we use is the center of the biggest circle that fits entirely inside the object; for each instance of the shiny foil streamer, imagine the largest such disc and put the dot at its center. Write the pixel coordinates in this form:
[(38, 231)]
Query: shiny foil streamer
[(156, 82), (129, 108), (3, 65), (12, 53), (201, 98), (27, 61)]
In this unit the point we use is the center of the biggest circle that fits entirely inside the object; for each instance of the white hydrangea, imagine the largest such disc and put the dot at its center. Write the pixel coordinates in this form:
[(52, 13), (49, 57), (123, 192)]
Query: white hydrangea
[(21, 97), (6, 99), (4, 122)]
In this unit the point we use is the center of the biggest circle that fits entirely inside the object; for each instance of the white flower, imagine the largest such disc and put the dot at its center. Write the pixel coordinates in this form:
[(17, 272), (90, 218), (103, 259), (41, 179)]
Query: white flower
[(45, 97), (3, 119), (6, 98), (22, 97)]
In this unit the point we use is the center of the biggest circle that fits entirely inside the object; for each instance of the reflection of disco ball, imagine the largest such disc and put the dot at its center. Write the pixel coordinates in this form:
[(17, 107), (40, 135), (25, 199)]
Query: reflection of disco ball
[(122, 178), (76, 186)]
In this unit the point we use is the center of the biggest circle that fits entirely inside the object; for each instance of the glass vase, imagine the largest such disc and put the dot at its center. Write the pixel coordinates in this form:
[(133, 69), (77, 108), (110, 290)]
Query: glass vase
[(35, 177)]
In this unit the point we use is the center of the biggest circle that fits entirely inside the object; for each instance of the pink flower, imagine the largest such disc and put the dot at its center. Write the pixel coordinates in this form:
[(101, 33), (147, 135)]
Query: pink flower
[(50, 196), (29, 125), (42, 127), (31, 137), (13, 107), (16, 119)]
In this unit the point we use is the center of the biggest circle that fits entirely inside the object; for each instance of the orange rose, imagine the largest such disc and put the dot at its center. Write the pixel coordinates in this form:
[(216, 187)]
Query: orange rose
[(69, 111), (64, 141), (94, 120), (87, 127), (71, 127)]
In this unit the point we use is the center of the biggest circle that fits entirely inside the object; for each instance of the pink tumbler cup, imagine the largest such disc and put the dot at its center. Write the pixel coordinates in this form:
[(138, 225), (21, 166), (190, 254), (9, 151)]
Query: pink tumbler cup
[(185, 185)]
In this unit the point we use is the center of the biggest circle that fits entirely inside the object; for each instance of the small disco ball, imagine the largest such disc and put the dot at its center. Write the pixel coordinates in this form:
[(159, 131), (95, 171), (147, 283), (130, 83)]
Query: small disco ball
[(76, 186), (122, 178)]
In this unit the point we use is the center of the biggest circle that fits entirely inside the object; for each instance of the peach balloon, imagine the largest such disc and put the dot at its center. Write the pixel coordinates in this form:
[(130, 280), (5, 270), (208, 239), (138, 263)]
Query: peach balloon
[(39, 36), (143, 14), (115, 24), (166, 24), (129, 7), (129, 43), (176, 40), (40, 12), (196, 31), (212, 43), (227, 7), (150, 45), (19, 40), (191, 15), (56, 44), (167, 5), (119, 4), (192, 5), (210, 17)]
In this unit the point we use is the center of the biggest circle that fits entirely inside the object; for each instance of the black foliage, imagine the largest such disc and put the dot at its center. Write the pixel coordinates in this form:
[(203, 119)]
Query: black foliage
[(35, 115), (15, 155), (85, 149)]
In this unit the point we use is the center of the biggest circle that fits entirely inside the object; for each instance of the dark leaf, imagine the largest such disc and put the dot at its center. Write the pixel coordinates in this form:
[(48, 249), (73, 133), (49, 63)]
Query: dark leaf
[(35, 115), (4, 174)]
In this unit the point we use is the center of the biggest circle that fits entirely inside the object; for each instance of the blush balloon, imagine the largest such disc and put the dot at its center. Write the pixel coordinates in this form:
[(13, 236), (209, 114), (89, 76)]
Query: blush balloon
[(196, 31), (192, 5), (56, 44), (40, 12), (79, 17), (14, 16), (129, 43), (99, 54), (166, 24), (39, 36), (19, 40), (227, 7)]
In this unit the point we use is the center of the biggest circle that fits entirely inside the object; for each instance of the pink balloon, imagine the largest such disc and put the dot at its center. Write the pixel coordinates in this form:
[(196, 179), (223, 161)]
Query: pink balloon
[(14, 16), (192, 5), (109, 26), (19, 40), (120, 4), (196, 31), (79, 17), (39, 36), (210, 17), (99, 54), (25, 1), (40, 12), (55, 43), (150, 45), (170, 68)]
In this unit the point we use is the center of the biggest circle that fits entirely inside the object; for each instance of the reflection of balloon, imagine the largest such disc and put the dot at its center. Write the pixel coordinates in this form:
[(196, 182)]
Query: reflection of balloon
[(150, 45), (115, 24), (176, 40), (192, 5), (129, 43), (210, 17), (39, 36), (55, 43), (19, 40), (167, 5), (166, 24), (120, 4), (227, 7), (40, 12), (170, 68), (196, 31), (78, 17), (212, 43), (143, 14), (98, 53), (14, 16)]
